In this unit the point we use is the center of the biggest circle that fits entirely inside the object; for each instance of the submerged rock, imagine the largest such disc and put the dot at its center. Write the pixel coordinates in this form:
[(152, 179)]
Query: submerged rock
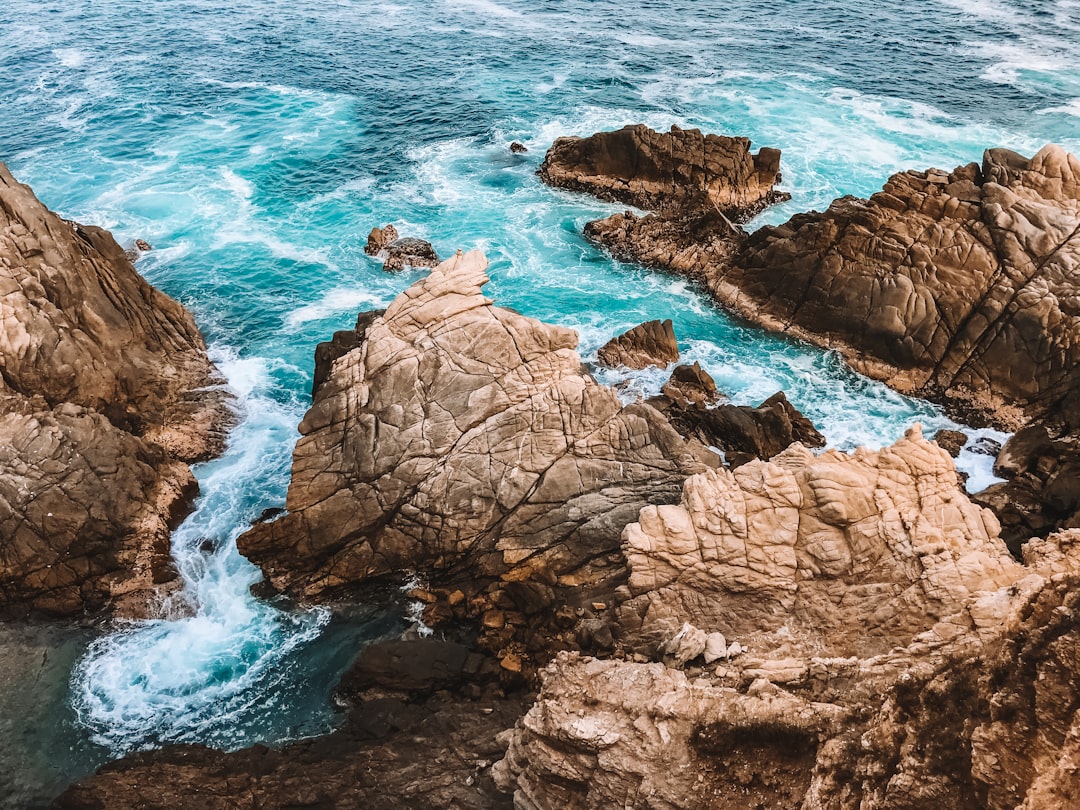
[(649, 344), (518, 148), (107, 395)]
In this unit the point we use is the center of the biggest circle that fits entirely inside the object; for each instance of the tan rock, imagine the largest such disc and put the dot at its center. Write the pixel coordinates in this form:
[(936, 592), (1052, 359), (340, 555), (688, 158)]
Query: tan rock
[(461, 435)]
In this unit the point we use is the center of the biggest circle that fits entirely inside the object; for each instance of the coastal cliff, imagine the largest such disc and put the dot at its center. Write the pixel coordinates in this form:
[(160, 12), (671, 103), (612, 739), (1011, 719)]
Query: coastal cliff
[(106, 396)]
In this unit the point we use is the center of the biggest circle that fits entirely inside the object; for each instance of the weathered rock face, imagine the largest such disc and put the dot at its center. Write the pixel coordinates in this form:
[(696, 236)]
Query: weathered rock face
[(459, 436), (691, 385), (893, 654), (958, 285), (680, 170), (781, 544), (103, 398), (380, 239), (341, 343), (649, 344)]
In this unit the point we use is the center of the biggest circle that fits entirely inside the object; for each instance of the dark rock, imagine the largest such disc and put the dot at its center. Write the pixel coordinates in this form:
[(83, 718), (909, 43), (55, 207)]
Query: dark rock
[(342, 343), (649, 344), (951, 441), (409, 252), (518, 148), (420, 666)]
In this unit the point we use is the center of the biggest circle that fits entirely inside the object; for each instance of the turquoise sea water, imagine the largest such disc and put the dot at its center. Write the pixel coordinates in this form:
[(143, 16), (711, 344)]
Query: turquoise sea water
[(255, 143)]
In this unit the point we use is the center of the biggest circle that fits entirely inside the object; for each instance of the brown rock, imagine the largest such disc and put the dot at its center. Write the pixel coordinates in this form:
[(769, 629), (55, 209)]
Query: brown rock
[(951, 441), (340, 344), (106, 393), (380, 239), (956, 286), (680, 170), (741, 432), (691, 385), (649, 344), (409, 252), (518, 148), (459, 436)]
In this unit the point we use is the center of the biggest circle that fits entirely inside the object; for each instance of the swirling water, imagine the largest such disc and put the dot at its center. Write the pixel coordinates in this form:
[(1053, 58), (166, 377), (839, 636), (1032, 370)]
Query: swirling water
[(255, 142)]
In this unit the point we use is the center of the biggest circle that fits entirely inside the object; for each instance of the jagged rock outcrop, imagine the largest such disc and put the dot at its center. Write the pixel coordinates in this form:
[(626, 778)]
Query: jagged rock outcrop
[(691, 385), (741, 432), (461, 437), (960, 286), (676, 171), (340, 344), (888, 534), (106, 394), (891, 653), (380, 239), (651, 343)]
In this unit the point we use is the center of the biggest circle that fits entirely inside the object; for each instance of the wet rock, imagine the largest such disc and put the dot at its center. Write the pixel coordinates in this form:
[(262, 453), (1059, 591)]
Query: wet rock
[(107, 394), (743, 433), (409, 252), (380, 239), (518, 148), (649, 344), (951, 441), (421, 666)]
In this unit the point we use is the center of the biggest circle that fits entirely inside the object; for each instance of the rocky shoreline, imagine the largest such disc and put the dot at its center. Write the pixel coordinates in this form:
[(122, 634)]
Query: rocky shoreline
[(107, 396), (676, 603)]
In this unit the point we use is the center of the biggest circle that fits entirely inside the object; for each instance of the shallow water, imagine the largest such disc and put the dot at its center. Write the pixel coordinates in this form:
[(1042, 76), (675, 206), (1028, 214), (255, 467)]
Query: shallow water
[(255, 143)]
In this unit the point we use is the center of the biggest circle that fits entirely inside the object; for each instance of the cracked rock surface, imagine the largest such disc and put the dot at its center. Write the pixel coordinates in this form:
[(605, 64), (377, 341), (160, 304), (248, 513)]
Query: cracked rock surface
[(106, 394), (459, 436)]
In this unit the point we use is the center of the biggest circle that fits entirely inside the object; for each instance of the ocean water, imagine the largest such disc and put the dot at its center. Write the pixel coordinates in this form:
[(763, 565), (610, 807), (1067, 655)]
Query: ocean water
[(255, 143)]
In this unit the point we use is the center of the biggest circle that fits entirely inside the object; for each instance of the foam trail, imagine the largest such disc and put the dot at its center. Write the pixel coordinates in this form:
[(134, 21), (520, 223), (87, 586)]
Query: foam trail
[(206, 676)]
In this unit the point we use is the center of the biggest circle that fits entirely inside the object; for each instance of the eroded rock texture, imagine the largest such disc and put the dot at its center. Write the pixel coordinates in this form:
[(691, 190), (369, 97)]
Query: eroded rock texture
[(807, 543), (680, 170), (886, 652), (104, 398), (459, 436), (957, 285)]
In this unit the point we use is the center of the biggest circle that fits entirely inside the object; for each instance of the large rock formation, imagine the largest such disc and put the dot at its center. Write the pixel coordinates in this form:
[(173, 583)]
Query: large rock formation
[(104, 399), (886, 652), (676, 171), (651, 343), (461, 438)]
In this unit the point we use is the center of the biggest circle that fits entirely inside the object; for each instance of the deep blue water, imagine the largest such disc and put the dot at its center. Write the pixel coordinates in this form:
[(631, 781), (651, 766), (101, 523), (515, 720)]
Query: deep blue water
[(255, 143)]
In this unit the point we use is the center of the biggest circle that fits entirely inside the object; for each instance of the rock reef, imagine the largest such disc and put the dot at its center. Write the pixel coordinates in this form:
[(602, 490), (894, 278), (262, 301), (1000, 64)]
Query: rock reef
[(106, 395)]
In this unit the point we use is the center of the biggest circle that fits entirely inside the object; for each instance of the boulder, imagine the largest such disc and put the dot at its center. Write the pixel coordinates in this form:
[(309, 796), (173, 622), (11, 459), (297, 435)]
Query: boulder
[(459, 437), (107, 395), (951, 441), (676, 171), (409, 252), (518, 148), (649, 344), (691, 385), (380, 239)]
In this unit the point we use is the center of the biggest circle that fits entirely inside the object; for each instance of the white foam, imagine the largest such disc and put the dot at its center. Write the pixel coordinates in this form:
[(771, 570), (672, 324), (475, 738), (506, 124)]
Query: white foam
[(336, 302), (70, 57)]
